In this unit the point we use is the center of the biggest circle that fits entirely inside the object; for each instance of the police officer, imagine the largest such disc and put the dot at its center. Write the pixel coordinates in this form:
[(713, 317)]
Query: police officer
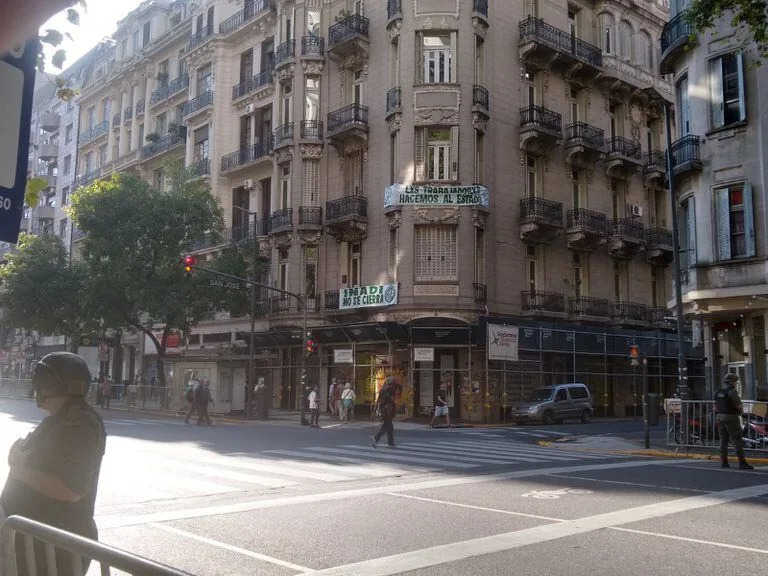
[(728, 406), (54, 471)]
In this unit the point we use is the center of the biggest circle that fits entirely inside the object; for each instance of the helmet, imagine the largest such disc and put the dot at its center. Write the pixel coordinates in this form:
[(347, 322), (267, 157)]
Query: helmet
[(61, 374), (730, 379)]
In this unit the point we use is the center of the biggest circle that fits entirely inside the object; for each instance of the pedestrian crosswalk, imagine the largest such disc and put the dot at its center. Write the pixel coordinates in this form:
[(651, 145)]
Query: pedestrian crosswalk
[(504, 432)]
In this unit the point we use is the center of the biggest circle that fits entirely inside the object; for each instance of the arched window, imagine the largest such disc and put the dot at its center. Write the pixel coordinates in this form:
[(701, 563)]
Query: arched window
[(606, 27), (625, 41), (644, 50)]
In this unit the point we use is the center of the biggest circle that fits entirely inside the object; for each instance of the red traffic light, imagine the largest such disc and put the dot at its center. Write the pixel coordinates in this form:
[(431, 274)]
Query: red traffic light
[(189, 261), (311, 345)]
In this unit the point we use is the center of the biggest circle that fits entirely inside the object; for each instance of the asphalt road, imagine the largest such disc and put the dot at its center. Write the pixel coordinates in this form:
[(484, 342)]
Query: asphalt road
[(277, 498)]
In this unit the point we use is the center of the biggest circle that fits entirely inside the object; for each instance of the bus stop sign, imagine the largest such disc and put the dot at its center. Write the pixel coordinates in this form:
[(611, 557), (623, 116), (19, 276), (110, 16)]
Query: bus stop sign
[(17, 85)]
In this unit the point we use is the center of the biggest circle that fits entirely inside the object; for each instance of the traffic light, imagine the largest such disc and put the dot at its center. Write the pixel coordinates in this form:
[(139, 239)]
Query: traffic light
[(189, 262), (310, 345)]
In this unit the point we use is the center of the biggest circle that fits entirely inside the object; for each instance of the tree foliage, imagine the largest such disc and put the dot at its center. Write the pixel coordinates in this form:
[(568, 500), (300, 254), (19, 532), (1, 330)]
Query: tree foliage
[(40, 289), (748, 17), (135, 236)]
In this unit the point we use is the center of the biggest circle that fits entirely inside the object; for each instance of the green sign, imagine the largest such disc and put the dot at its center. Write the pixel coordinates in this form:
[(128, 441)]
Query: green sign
[(368, 296), (402, 195)]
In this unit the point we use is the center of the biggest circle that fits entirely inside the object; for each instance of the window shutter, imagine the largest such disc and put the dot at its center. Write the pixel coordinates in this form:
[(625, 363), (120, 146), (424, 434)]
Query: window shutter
[(723, 225), (344, 264), (749, 220), (453, 56), (716, 92), (454, 153), (420, 170), (691, 233), (742, 87)]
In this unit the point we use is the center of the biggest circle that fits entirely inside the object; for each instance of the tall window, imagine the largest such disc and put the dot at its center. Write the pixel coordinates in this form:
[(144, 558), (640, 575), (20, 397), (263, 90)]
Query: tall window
[(354, 173), (285, 186), (204, 79), (479, 157), (63, 227), (726, 83), (580, 275), (735, 222), (531, 269), (577, 190), (573, 104), (436, 254), (312, 98), (437, 153), (355, 263), (68, 131), (393, 154), (532, 177), (683, 107), (313, 22), (618, 281), (160, 123), (394, 239), (645, 50), (102, 155), (625, 40), (605, 23), (286, 104), (532, 8), (201, 144), (146, 33), (91, 120), (136, 41), (311, 183), (688, 236), (479, 60), (65, 196), (437, 58), (67, 164), (310, 271), (479, 255), (282, 270), (246, 65)]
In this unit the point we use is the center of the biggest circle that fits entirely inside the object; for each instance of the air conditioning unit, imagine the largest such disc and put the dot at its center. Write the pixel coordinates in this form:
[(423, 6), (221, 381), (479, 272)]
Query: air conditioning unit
[(634, 210), (248, 183), (249, 109)]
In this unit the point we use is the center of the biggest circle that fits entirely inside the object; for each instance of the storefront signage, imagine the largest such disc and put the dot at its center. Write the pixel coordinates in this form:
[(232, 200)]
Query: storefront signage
[(343, 356), (502, 342), (423, 354), (368, 296), (402, 195)]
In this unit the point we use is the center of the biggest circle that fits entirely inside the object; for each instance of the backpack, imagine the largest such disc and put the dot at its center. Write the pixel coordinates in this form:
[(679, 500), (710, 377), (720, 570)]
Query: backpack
[(190, 395)]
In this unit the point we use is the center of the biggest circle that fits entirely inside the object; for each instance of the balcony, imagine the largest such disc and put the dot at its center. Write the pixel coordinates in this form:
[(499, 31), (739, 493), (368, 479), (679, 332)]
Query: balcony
[(140, 106), (659, 250), (248, 156), (127, 114), (285, 54), (199, 169), (312, 48), (310, 218), (350, 36), (199, 37), (685, 156), (235, 235), (586, 229), (542, 303), (655, 169), (97, 131), (626, 238), (674, 39), (311, 131), (590, 306), (348, 125), (47, 152), (584, 144), (198, 104), (281, 220), (331, 300), (50, 122), (394, 11), (283, 135), (480, 10), (543, 45), (161, 146), (630, 313), (540, 130), (394, 104), (164, 92), (253, 10), (481, 100), (622, 157), (261, 83), (87, 178), (541, 220), (116, 120), (481, 292), (346, 219)]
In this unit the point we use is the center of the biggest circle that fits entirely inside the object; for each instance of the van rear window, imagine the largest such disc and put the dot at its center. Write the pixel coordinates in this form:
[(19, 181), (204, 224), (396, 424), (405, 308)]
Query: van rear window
[(578, 392)]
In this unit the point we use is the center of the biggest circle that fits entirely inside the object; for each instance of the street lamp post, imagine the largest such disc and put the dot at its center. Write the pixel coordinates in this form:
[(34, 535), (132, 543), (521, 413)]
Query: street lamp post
[(682, 369)]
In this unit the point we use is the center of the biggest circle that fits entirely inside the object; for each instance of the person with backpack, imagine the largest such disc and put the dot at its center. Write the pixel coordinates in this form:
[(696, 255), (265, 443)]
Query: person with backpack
[(202, 399), (729, 408), (348, 403), (385, 408)]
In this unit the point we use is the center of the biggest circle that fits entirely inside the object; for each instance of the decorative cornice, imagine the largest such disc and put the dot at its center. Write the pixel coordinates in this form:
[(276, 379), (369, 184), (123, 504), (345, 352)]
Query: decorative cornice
[(311, 151)]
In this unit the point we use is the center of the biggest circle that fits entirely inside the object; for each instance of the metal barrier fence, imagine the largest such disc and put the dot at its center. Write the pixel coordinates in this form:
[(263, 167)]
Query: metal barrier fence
[(693, 424), (70, 551)]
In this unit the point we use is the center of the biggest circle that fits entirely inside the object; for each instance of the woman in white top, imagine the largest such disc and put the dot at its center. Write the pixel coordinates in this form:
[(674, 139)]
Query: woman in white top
[(314, 408), (348, 403)]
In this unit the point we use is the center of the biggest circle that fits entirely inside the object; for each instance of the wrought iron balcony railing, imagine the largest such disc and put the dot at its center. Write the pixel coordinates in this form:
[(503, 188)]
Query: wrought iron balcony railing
[(590, 306), (685, 149), (285, 51), (658, 314), (350, 27), (248, 13), (200, 168), (310, 215), (540, 117), (311, 130), (630, 311), (623, 147), (198, 103), (587, 219), (331, 299), (280, 219), (627, 228), (393, 99), (541, 209), (246, 155), (481, 292), (658, 237), (312, 46), (676, 29), (656, 159), (283, 134), (541, 300), (586, 133), (346, 207), (163, 144), (480, 97), (253, 83), (352, 115), (177, 84), (200, 36), (536, 30)]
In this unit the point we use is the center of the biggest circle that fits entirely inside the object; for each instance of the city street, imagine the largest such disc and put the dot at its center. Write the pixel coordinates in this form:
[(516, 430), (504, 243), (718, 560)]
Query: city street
[(277, 498)]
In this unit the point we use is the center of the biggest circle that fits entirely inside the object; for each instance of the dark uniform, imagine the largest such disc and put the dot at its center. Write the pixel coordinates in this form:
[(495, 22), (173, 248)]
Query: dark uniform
[(386, 409), (728, 406), (69, 444)]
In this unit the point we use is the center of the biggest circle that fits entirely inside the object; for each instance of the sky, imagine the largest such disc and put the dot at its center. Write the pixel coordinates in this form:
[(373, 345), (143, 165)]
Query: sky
[(97, 21)]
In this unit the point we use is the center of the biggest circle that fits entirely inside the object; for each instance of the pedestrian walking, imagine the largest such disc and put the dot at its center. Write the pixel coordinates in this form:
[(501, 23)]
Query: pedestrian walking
[(385, 408), (189, 396), (202, 399), (106, 392), (331, 396), (441, 406), (348, 397), (54, 472), (314, 408), (729, 408), (337, 404)]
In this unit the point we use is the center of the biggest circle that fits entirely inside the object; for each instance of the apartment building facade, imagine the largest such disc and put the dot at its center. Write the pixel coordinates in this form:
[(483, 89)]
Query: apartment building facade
[(416, 170), (720, 169)]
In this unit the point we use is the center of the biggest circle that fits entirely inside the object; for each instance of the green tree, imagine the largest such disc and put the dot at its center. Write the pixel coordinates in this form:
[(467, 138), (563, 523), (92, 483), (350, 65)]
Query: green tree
[(748, 17), (135, 236), (40, 288)]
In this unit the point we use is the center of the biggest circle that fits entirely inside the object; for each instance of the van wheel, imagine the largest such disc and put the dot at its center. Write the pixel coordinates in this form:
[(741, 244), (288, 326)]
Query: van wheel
[(548, 417), (586, 417)]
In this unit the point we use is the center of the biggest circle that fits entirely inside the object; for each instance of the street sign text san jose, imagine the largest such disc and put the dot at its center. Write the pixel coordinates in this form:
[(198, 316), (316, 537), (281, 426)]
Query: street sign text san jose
[(225, 283)]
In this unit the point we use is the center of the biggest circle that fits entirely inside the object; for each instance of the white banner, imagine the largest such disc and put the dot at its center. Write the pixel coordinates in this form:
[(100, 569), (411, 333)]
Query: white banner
[(402, 195), (502, 342), (423, 354), (343, 356), (368, 296)]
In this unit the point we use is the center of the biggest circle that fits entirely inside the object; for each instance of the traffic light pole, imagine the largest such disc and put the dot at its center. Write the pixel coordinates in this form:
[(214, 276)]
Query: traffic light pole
[(300, 301)]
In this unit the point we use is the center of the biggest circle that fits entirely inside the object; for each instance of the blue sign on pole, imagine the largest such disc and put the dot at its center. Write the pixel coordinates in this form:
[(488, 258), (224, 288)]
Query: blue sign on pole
[(17, 85)]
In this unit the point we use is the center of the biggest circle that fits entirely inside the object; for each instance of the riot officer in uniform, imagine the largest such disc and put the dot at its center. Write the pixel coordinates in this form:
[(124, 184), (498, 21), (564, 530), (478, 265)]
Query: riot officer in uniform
[(54, 471), (728, 406)]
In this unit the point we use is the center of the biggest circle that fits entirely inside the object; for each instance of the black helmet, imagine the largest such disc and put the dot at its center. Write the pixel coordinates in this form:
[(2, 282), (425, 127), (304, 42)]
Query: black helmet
[(61, 374), (730, 379)]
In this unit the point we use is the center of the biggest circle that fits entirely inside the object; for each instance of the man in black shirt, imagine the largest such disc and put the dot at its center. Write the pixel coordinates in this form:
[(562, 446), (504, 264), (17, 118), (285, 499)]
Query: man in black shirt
[(54, 471)]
